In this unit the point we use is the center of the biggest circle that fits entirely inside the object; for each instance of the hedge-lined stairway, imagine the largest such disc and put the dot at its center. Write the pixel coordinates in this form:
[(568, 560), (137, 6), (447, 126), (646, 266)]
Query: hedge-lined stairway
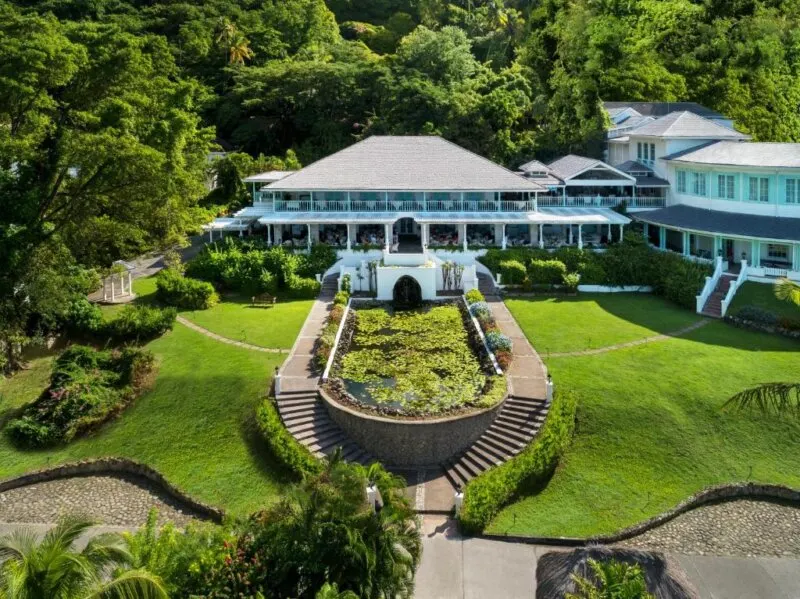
[(522, 414), (299, 404)]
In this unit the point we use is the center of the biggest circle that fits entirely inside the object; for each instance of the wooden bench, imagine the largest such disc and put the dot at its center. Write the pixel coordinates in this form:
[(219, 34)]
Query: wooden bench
[(264, 299)]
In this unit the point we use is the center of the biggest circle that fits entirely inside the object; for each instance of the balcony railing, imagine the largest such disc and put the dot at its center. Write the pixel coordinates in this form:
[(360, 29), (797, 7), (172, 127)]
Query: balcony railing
[(394, 206), (601, 202)]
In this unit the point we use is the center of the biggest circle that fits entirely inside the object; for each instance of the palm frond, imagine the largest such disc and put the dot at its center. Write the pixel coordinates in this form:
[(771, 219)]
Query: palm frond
[(788, 291), (17, 545), (778, 398), (131, 584), (67, 531), (107, 549)]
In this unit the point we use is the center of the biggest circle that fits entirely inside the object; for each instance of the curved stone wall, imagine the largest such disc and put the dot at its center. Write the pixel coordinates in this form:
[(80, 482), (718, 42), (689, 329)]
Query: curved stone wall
[(411, 443)]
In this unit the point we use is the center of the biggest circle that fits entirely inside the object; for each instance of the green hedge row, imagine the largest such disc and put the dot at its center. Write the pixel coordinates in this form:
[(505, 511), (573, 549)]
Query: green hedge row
[(487, 494), (286, 449), (174, 289), (133, 323)]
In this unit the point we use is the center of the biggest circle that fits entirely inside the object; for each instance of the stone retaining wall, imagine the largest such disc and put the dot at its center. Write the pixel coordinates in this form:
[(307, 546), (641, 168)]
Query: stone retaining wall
[(411, 443), (713, 494), (105, 466)]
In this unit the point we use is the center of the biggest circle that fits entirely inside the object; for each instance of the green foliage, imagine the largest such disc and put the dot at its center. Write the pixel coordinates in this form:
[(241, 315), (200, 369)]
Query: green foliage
[(571, 282), (341, 298), (611, 579), (174, 289), (302, 288), (139, 323), (87, 388), (84, 316), (325, 532), (513, 272), (317, 261), (546, 272), (488, 493), (768, 398), (51, 566), (473, 296), (286, 449), (498, 342), (324, 345), (346, 283)]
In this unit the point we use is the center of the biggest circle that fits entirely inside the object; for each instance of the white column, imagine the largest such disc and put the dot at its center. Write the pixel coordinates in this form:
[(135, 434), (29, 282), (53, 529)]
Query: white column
[(349, 243), (464, 234), (308, 237), (130, 283), (621, 232), (269, 234), (210, 235), (425, 232), (531, 233), (570, 234), (387, 237), (580, 237), (504, 236), (541, 237), (112, 288)]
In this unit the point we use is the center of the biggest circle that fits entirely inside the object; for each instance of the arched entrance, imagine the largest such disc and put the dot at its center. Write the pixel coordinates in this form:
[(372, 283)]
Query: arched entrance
[(409, 238), (407, 293)]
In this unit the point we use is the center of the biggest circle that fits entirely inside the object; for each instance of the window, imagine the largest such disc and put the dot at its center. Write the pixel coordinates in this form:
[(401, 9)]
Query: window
[(779, 252), (699, 184), (759, 189), (726, 187), (639, 151), (652, 152), (681, 183), (792, 191)]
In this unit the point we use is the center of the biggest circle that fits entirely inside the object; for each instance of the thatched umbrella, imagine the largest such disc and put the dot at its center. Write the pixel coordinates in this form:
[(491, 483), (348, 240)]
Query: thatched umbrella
[(665, 580)]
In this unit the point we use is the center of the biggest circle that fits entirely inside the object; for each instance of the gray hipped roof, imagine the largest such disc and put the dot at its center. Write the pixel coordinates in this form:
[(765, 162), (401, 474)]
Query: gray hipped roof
[(690, 218), (405, 163), (732, 153), (686, 125), (657, 109), (572, 165)]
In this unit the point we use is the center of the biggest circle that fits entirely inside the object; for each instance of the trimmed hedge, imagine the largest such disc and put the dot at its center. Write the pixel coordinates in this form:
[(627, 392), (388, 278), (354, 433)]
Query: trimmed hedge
[(286, 449), (132, 324), (513, 272), (488, 493), (174, 289), (474, 296), (546, 272)]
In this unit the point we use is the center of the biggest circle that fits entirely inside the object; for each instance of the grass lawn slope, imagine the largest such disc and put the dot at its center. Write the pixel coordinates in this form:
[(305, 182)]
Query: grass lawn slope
[(762, 296), (650, 429), (195, 425), (593, 320)]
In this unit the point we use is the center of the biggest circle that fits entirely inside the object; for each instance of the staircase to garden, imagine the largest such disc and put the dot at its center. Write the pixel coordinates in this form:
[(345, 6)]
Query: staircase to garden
[(299, 405), (713, 307)]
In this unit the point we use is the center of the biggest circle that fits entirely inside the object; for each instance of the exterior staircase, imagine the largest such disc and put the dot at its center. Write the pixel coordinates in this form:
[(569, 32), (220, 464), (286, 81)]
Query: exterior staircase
[(713, 307), (302, 410), (486, 284), (515, 426)]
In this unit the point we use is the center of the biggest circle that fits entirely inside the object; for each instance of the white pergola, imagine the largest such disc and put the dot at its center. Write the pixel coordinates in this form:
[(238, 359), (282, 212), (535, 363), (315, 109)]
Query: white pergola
[(121, 272)]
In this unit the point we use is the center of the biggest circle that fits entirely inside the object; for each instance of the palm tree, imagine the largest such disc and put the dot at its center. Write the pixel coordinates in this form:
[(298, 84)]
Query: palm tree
[(235, 45), (51, 568), (614, 580), (781, 398)]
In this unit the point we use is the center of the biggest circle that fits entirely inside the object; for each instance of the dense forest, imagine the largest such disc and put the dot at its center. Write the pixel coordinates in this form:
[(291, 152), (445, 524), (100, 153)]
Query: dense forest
[(108, 108)]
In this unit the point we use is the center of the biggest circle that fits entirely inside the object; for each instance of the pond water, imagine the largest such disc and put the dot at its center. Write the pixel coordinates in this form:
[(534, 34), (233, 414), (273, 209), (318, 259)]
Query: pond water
[(412, 361)]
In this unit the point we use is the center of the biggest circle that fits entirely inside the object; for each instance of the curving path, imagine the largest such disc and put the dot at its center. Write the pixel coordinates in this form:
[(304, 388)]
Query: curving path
[(221, 339), (113, 500), (601, 350)]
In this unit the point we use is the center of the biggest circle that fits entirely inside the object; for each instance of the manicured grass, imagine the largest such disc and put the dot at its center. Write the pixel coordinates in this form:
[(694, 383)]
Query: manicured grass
[(267, 326), (589, 321), (762, 296), (651, 431), (196, 425)]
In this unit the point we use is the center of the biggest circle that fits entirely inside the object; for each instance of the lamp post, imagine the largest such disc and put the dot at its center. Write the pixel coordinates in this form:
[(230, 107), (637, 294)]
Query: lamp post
[(458, 500), (549, 389)]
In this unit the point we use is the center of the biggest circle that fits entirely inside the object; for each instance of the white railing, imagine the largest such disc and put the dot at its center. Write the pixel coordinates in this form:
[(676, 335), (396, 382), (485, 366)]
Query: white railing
[(781, 273), (734, 288), (336, 340), (709, 287), (396, 259), (601, 202), (402, 205), (476, 324)]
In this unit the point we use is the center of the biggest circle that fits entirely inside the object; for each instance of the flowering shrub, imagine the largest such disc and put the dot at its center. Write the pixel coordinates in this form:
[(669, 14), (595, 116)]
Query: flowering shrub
[(498, 342), (480, 310)]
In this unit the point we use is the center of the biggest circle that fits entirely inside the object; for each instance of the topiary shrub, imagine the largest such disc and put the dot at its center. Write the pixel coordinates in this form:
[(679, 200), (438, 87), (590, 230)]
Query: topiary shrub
[(347, 283), (282, 445), (571, 282), (140, 323), (341, 298), (174, 289), (301, 288), (87, 388), (486, 494), (546, 272), (513, 272), (498, 342), (473, 296)]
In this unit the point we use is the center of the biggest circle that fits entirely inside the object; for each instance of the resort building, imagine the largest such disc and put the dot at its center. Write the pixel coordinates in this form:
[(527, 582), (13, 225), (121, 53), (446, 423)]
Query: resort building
[(695, 184)]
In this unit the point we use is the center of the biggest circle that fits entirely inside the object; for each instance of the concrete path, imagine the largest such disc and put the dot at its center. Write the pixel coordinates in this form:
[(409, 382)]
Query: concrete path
[(645, 341), (454, 567), (221, 339)]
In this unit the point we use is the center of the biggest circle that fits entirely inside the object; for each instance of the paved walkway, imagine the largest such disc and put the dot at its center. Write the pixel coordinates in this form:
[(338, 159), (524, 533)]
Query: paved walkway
[(455, 567), (645, 341), (221, 339), (111, 500)]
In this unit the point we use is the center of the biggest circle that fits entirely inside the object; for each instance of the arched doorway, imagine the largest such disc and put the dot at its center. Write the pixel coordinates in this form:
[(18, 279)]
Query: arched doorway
[(409, 239), (407, 293)]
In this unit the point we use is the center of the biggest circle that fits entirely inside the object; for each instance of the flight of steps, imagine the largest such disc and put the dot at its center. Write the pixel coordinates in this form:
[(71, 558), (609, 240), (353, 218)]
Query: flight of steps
[(307, 419), (515, 426), (713, 307), (486, 284), (330, 285)]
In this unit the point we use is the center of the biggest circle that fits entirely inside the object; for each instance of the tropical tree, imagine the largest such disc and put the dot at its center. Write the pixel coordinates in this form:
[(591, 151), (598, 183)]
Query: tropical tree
[(233, 42), (611, 579), (779, 398), (51, 568)]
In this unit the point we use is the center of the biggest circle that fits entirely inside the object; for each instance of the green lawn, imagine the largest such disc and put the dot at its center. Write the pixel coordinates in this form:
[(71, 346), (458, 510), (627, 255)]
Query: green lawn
[(266, 326), (195, 425), (762, 296), (650, 429), (589, 321)]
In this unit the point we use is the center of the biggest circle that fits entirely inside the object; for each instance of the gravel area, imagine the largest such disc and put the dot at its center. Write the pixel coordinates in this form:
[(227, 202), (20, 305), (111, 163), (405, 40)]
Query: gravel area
[(744, 528), (111, 500)]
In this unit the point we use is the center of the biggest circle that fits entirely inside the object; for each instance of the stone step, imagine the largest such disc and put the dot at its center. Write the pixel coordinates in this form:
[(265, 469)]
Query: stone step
[(329, 440), (460, 473), (529, 420), (301, 409), (316, 412), (316, 433), (501, 440), (504, 431), (491, 447), (297, 400), (473, 457), (485, 455)]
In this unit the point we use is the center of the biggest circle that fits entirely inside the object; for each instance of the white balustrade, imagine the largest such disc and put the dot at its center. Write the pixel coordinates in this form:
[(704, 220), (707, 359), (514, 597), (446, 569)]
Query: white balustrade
[(734, 288), (708, 288)]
